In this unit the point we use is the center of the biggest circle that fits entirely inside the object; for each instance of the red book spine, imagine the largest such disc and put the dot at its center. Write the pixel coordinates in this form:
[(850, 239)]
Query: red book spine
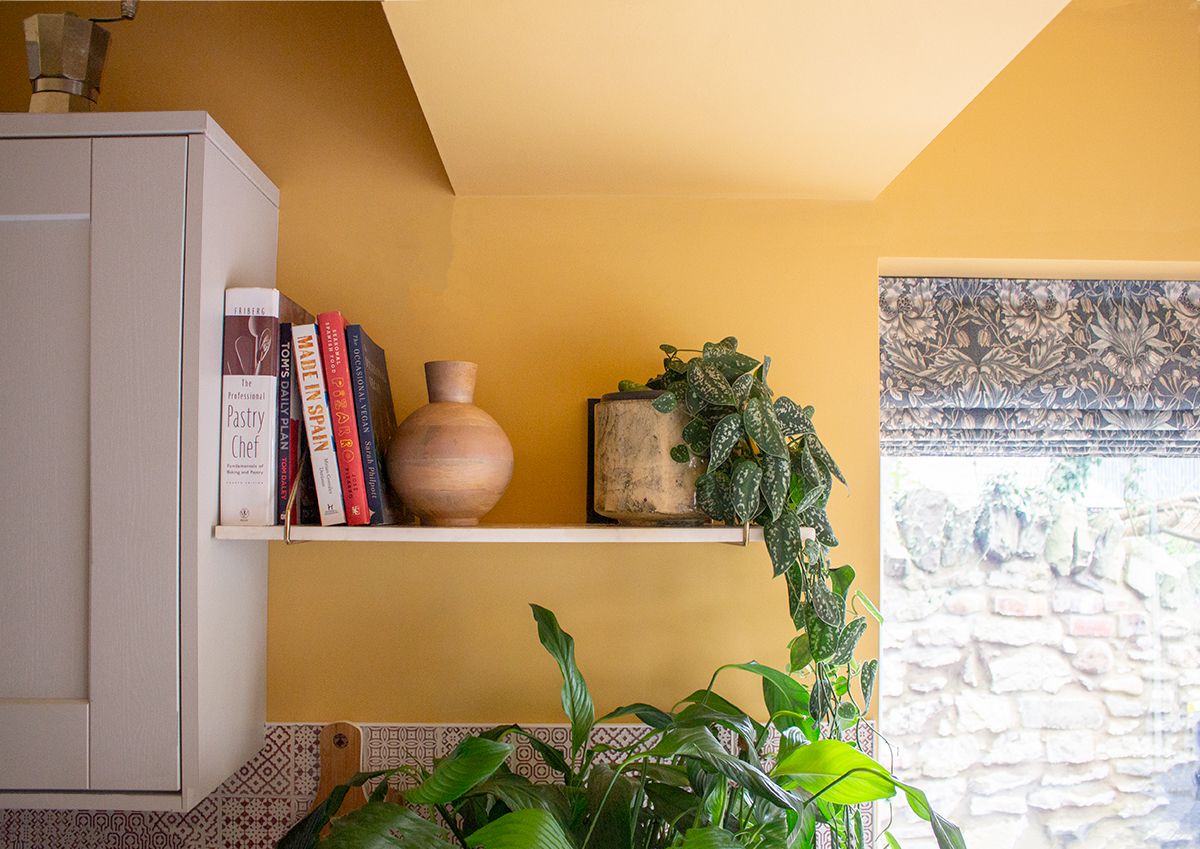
[(332, 328)]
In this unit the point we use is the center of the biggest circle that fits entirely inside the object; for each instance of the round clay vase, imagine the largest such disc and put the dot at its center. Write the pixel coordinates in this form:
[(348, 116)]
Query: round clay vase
[(450, 461), (636, 481)]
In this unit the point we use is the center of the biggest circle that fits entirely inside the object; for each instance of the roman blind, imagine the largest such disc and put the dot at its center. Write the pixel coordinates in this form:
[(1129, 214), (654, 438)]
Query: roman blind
[(1005, 366)]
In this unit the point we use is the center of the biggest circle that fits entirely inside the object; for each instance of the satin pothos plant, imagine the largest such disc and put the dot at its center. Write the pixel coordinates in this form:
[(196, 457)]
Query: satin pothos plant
[(765, 463)]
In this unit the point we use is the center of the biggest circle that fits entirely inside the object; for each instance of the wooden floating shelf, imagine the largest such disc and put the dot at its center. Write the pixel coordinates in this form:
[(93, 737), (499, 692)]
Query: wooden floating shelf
[(499, 533)]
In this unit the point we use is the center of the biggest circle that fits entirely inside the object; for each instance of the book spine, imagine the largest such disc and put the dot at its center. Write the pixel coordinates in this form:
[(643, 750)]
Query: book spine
[(249, 403), (372, 477), (321, 454), (286, 424), (332, 328)]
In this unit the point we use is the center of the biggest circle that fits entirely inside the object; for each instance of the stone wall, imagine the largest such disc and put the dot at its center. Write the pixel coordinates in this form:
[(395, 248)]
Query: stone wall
[(1040, 670)]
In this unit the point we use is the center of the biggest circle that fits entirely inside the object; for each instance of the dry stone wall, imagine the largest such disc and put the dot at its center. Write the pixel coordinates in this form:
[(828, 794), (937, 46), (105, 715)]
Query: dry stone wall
[(1040, 671)]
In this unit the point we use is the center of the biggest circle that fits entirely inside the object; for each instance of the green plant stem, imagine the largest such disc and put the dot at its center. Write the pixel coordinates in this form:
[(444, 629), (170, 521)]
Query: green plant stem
[(452, 824)]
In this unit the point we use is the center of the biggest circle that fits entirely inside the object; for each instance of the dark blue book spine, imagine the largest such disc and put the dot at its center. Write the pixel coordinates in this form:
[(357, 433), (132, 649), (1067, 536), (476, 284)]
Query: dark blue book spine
[(372, 477), (284, 422)]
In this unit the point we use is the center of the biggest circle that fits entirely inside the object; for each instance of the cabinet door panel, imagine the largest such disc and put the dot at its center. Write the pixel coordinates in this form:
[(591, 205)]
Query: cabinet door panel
[(138, 196), (44, 570)]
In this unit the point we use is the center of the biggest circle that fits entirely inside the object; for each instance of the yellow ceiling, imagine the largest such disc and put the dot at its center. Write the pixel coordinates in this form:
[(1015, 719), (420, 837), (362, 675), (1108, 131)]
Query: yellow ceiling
[(825, 99)]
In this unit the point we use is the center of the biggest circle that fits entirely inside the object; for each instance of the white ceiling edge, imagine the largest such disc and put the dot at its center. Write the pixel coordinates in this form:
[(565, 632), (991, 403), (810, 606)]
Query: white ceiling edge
[(711, 98)]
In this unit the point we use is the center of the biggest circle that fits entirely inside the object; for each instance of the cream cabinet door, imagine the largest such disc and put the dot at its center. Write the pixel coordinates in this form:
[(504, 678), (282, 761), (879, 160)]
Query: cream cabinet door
[(91, 258)]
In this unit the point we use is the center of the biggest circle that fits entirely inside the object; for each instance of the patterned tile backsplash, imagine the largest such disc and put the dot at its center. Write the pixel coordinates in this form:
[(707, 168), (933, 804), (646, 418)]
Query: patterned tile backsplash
[(254, 808)]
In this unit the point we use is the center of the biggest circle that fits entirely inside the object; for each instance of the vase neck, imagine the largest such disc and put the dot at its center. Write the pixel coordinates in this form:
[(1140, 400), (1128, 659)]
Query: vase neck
[(450, 381)]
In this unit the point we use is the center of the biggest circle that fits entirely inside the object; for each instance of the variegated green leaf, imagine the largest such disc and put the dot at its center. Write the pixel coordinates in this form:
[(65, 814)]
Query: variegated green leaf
[(847, 713), (866, 680), (809, 471), (729, 342), (710, 384), (712, 496), (728, 360), (742, 387), (791, 417), (680, 453), (692, 400), (822, 638), (669, 350), (848, 639), (697, 435), (822, 455), (761, 371), (827, 604), (724, 437), (762, 426), (783, 538), (820, 697), (665, 402), (816, 519), (747, 476), (776, 478), (676, 365)]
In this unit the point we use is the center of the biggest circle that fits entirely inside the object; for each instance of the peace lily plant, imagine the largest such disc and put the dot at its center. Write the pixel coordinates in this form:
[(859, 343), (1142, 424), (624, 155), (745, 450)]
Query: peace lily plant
[(678, 785)]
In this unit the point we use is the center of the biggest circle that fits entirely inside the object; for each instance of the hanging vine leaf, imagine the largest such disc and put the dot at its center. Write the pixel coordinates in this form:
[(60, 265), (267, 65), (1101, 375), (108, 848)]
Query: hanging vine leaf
[(809, 471), (827, 604), (800, 655), (841, 577), (866, 681), (665, 403), (783, 538), (791, 417), (822, 455), (776, 478), (820, 697), (822, 638), (712, 495), (669, 350), (747, 477), (762, 426), (724, 436), (730, 362), (710, 384), (681, 454), (816, 519), (848, 640)]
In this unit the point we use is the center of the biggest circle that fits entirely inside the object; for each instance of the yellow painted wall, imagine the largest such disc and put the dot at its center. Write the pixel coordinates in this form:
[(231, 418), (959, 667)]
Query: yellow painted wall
[(1086, 147)]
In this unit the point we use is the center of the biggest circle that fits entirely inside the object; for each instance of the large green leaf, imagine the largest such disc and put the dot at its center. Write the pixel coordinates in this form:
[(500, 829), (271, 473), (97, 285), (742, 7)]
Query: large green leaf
[(817, 766), (552, 756), (700, 714), (576, 700), (731, 363), (794, 695), (472, 760), (648, 714), (710, 837), (745, 481), (303, 835), (525, 829), (700, 744), (710, 384), (776, 478), (724, 437), (384, 825), (784, 538), (945, 832), (518, 792), (611, 808), (759, 420)]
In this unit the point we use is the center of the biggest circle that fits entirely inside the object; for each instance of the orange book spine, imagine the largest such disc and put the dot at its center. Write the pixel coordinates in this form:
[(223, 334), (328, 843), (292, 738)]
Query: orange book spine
[(331, 327)]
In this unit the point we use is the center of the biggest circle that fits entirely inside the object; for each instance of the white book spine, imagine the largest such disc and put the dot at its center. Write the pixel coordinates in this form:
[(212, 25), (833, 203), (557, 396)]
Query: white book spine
[(315, 404), (249, 401)]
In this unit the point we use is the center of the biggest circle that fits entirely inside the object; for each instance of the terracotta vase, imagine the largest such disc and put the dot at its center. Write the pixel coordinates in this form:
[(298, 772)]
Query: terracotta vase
[(450, 461), (636, 481)]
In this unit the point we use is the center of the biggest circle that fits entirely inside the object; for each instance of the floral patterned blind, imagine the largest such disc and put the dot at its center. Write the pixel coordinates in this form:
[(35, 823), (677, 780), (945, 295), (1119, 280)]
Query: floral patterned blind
[(1000, 366)]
